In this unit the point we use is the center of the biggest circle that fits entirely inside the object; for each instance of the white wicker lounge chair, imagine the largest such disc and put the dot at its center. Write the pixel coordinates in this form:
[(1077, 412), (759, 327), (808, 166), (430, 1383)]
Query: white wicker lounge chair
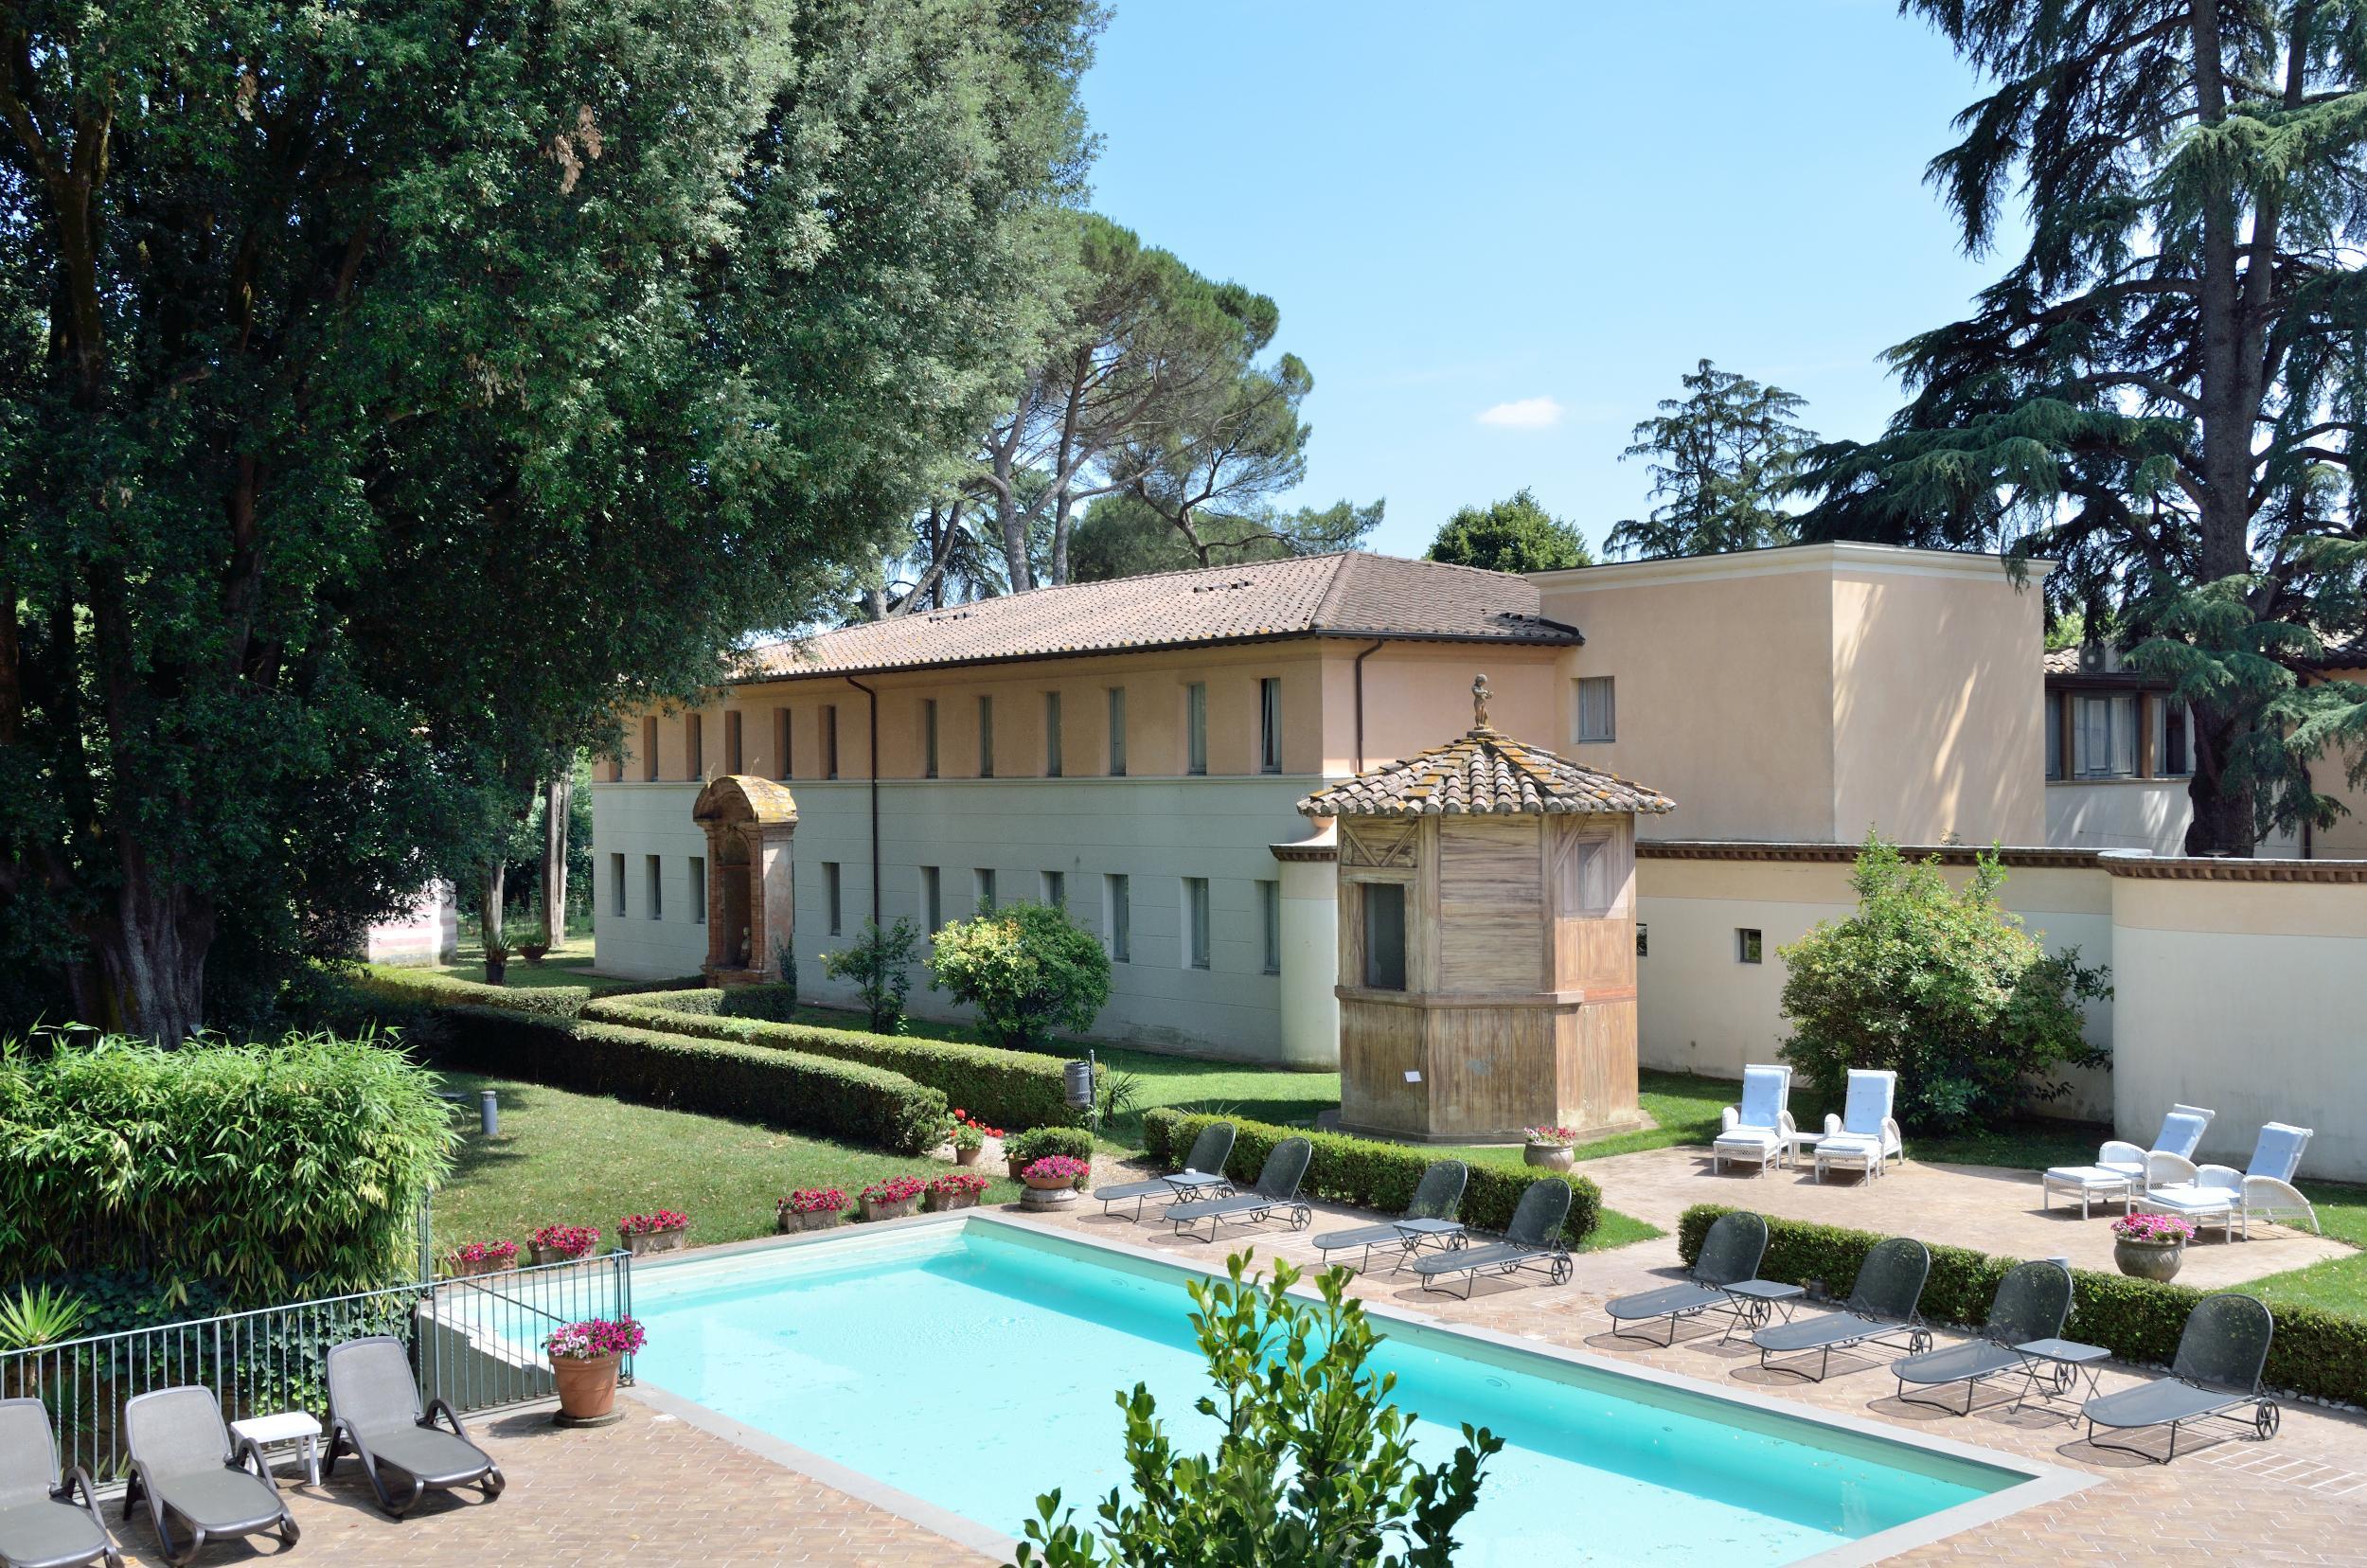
[(1865, 1135), (1753, 1132), (2122, 1170), (2264, 1188)]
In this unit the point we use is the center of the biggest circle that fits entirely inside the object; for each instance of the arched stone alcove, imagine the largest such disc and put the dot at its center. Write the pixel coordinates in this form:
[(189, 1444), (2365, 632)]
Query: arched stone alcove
[(752, 903)]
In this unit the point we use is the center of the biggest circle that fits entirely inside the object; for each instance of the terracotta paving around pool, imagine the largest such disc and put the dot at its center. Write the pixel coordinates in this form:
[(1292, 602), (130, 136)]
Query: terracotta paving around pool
[(659, 1490)]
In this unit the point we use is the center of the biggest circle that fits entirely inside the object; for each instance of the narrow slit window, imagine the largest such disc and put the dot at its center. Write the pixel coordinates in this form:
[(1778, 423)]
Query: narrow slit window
[(698, 890), (830, 740), (1117, 899), (1270, 725), (1270, 925), (735, 760), (830, 894), (1384, 935), (931, 899), (1196, 728), (1195, 922), (616, 883), (648, 749), (782, 758), (656, 891), (986, 738), (1052, 735), (1117, 732), (694, 745), (928, 737)]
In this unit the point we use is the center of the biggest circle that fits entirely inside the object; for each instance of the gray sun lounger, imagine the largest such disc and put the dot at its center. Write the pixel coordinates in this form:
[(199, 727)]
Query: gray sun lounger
[(1532, 1241), (2031, 1302), (2220, 1358), (41, 1523), (374, 1410), (185, 1465), (1430, 1220), (1203, 1174), (1880, 1305), (1276, 1192), (1729, 1256)]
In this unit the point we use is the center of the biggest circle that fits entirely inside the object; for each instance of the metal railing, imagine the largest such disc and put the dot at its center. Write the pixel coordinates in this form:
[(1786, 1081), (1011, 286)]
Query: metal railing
[(476, 1342)]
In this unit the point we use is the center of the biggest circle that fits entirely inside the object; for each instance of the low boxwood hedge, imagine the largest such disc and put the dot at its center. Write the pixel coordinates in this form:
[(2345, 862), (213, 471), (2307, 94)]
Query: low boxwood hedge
[(2317, 1353), (1006, 1089), (1368, 1173), (788, 1089), (428, 989)]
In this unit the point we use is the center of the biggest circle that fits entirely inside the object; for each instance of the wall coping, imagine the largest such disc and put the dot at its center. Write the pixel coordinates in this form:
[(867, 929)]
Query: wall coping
[(2117, 862)]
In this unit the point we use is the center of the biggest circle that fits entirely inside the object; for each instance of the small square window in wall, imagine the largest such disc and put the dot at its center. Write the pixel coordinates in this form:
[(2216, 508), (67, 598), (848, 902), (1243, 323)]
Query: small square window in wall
[(1643, 941), (616, 885), (1747, 946), (831, 901), (698, 890), (653, 873), (1598, 713)]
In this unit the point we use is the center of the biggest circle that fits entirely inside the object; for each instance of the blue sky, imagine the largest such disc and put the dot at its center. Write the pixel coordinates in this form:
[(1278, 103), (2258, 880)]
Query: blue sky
[(1468, 207)]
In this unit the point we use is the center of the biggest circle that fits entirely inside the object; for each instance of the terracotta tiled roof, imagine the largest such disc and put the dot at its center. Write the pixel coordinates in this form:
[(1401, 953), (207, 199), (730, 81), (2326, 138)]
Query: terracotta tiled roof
[(1347, 595), (1484, 774), (2062, 660)]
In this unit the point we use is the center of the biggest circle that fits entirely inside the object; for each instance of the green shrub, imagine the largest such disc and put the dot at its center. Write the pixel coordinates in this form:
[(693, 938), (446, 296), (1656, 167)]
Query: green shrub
[(775, 1002), (1943, 987), (880, 962), (2317, 1353), (1368, 1173), (426, 986), (781, 1088), (1036, 1142), (1012, 1089), (1026, 968), (705, 1002), (260, 1171)]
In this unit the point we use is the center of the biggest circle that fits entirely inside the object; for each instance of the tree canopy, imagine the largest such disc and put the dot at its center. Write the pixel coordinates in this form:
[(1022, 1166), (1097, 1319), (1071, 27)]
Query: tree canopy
[(1121, 536), (392, 394), (2163, 389), (1512, 535), (1721, 456)]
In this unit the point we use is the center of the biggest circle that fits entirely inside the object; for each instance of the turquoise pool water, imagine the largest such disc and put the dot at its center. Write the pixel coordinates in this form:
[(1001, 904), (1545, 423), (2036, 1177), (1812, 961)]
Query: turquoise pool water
[(975, 1366)]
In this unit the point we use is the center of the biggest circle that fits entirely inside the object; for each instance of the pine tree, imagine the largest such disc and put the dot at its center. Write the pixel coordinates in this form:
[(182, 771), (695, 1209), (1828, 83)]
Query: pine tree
[(1723, 455)]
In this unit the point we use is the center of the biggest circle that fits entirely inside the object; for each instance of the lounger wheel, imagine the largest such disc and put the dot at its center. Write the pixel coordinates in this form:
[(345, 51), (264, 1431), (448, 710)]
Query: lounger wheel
[(1560, 1271), (2265, 1419), (1302, 1216), (1918, 1342), (289, 1534), (492, 1482)]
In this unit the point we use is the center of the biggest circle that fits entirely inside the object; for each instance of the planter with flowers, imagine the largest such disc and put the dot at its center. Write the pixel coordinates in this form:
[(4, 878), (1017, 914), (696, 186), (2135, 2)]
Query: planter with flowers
[(479, 1257), (970, 1137), (2150, 1246), (565, 1243), (1052, 1181), (1024, 1148), (810, 1208), (892, 1199), (664, 1231), (1552, 1148), (584, 1356), (959, 1190)]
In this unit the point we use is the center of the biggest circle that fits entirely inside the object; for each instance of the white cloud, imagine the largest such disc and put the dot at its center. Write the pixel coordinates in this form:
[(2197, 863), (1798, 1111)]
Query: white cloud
[(1523, 413)]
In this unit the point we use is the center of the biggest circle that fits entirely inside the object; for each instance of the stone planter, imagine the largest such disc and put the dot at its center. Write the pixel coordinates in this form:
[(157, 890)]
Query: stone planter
[(1041, 1198), (587, 1386), (874, 1210), (791, 1221), (937, 1202), (1548, 1156), (458, 1269), (552, 1255), (2155, 1261), (657, 1242), (495, 969)]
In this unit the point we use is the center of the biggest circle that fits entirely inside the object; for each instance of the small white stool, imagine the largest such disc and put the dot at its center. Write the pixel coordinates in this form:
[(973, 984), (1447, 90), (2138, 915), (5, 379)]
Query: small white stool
[(289, 1426)]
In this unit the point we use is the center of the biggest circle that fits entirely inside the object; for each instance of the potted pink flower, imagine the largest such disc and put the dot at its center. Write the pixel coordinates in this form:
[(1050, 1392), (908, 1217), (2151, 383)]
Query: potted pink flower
[(476, 1257), (1552, 1148), (892, 1199), (583, 1365), (2150, 1246), (810, 1208), (957, 1190), (1052, 1182), (664, 1231), (565, 1243)]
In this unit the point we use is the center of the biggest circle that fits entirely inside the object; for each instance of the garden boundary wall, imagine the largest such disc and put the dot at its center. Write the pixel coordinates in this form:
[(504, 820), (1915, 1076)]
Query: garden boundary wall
[(2237, 985)]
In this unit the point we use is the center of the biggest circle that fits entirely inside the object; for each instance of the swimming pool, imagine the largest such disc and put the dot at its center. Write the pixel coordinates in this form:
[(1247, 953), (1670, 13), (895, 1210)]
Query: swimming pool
[(974, 1364)]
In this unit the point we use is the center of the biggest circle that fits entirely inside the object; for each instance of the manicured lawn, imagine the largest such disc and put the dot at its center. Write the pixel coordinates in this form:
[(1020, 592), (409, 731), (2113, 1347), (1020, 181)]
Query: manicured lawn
[(580, 1159), (2338, 1284), (569, 964)]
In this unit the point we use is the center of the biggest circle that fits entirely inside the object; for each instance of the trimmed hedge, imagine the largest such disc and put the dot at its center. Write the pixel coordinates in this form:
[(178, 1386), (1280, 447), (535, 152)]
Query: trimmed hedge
[(788, 1089), (1368, 1173), (425, 988), (1008, 1089), (2316, 1353)]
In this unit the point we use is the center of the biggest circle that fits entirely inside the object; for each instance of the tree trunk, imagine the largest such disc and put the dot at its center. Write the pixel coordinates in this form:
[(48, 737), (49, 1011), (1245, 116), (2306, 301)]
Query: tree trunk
[(2222, 822), (559, 795), (146, 976), (490, 923)]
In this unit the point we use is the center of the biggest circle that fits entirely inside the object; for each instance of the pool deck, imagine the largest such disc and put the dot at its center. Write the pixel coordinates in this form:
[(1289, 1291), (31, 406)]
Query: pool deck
[(662, 1490)]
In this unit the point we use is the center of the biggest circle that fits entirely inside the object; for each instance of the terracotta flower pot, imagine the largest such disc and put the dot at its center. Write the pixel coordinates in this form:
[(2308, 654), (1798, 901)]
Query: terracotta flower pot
[(587, 1385), (967, 1156), (1548, 1156), (1017, 1163), (2155, 1261)]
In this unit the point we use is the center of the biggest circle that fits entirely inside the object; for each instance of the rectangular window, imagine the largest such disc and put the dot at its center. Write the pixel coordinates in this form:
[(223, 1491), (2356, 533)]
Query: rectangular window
[(694, 745), (1117, 915), (617, 769), (1195, 922), (1052, 735), (1270, 725), (2055, 735), (1270, 925), (928, 737), (986, 738), (734, 757), (616, 882), (781, 758), (2104, 736), (982, 889), (830, 903), (931, 899), (1643, 941), (1598, 710), (648, 749), (1747, 945), (656, 889), (1196, 728), (698, 890), (2173, 738), (1056, 889), (1117, 732), (1383, 905), (830, 740)]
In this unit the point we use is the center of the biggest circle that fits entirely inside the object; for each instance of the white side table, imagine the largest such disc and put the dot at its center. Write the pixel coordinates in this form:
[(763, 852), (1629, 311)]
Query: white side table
[(289, 1426), (1800, 1143)]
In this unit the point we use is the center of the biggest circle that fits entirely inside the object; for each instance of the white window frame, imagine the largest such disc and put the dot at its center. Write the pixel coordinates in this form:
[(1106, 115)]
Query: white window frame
[(2109, 720), (1600, 726)]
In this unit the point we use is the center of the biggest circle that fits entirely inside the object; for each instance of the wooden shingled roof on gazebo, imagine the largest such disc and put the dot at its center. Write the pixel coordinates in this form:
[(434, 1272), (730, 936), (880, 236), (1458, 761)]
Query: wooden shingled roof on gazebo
[(1484, 772)]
